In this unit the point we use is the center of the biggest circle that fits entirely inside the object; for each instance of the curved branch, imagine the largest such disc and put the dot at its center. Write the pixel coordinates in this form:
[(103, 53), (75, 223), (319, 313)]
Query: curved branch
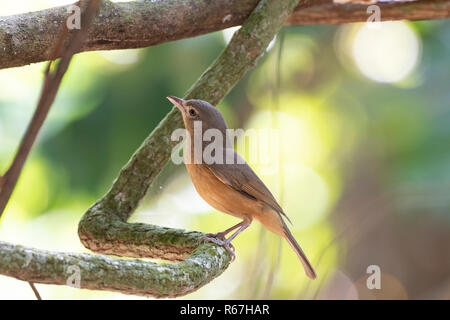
[(99, 272), (28, 38), (104, 226)]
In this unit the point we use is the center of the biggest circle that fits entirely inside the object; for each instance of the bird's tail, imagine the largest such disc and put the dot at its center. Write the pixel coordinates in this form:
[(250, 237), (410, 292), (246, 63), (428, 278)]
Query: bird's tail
[(298, 250)]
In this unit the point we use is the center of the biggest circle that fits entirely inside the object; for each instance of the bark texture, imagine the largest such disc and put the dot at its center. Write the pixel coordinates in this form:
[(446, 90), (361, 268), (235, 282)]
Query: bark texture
[(30, 37), (97, 272)]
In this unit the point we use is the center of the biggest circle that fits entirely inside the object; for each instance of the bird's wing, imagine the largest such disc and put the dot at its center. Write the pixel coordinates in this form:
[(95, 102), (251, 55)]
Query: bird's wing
[(241, 178)]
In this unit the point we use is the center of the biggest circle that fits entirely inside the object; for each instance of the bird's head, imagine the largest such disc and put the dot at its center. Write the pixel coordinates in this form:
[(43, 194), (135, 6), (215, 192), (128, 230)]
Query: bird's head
[(199, 110)]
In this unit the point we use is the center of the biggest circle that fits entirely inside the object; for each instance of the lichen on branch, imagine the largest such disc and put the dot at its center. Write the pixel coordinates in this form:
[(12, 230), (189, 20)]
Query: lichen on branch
[(28, 38), (98, 272)]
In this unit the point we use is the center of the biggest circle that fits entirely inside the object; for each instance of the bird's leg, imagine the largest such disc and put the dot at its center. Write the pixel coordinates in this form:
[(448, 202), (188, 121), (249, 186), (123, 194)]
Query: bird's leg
[(221, 235), (219, 238), (244, 225)]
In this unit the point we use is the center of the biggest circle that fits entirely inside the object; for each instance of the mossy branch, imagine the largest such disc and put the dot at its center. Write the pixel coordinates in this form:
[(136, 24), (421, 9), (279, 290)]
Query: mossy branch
[(99, 272), (29, 37), (104, 226)]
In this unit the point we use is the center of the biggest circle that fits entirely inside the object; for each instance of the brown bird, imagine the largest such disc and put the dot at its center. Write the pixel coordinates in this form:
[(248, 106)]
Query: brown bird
[(230, 186)]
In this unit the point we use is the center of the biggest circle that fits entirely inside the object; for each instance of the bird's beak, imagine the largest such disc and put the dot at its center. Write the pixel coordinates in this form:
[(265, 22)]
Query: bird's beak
[(177, 102)]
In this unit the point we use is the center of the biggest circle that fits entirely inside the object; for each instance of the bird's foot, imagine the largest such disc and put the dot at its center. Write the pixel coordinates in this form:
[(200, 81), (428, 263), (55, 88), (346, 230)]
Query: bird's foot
[(219, 238), (218, 235)]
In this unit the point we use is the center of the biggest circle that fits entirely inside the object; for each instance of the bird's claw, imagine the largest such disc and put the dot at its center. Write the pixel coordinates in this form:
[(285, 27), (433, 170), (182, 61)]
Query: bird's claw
[(219, 239), (218, 235)]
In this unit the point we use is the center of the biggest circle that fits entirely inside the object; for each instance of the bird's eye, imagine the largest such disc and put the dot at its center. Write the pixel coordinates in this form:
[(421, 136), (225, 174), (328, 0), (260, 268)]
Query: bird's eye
[(192, 112)]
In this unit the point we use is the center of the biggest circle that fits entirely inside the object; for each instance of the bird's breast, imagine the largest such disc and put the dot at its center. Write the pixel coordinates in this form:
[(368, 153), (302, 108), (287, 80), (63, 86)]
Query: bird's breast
[(218, 194)]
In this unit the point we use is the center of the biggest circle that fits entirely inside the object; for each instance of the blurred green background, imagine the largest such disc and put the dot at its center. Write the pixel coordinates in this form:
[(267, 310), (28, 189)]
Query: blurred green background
[(362, 163)]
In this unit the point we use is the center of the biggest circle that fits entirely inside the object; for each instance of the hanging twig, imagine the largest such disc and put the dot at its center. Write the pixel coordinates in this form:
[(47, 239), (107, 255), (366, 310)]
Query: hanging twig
[(50, 88), (276, 124), (36, 292)]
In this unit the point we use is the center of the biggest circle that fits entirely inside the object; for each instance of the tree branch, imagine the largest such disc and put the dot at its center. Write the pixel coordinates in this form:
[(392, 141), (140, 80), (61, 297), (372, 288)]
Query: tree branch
[(327, 12), (28, 38), (104, 226), (99, 272)]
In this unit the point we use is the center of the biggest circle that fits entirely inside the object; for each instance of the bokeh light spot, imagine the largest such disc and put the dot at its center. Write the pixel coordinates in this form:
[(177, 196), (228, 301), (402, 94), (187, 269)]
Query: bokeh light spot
[(386, 53)]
